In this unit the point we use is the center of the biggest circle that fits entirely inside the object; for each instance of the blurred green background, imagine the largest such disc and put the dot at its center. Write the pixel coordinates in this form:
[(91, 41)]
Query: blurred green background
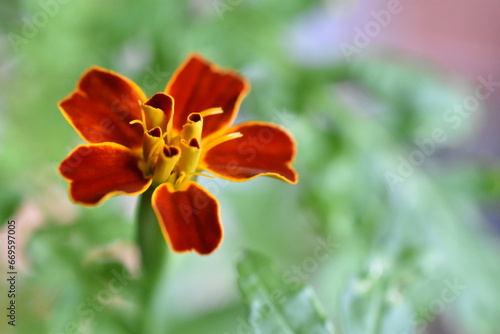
[(391, 228)]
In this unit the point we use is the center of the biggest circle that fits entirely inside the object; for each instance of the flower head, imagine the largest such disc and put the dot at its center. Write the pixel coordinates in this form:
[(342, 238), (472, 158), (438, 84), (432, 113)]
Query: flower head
[(166, 141)]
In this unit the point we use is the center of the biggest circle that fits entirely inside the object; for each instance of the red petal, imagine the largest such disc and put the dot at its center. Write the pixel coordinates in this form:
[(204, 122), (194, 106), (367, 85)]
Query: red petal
[(198, 85), (102, 106), (264, 149), (99, 171), (188, 217)]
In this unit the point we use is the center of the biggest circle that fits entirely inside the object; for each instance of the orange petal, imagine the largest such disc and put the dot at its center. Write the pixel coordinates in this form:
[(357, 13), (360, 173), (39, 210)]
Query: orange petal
[(188, 217), (264, 149), (99, 171), (198, 85), (102, 106)]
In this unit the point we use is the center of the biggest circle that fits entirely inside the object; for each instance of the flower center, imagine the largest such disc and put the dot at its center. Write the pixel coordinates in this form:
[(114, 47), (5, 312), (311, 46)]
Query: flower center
[(173, 157)]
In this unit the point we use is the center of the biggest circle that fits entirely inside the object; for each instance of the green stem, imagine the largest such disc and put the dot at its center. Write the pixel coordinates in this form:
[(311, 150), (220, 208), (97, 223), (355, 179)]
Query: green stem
[(153, 254)]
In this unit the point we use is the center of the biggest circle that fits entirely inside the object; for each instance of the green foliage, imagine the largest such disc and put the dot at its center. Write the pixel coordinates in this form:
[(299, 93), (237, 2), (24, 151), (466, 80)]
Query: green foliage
[(10, 199), (275, 306)]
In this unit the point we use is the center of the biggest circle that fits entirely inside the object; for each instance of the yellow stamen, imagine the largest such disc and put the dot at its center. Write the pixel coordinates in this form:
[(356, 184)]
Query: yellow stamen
[(167, 160), (155, 147), (152, 142), (179, 180), (155, 116), (220, 140), (193, 127), (190, 154), (201, 174), (211, 111), (138, 121)]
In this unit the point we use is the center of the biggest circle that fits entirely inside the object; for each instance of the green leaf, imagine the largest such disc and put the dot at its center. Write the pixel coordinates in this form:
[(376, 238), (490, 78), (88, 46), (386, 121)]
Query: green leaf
[(277, 307)]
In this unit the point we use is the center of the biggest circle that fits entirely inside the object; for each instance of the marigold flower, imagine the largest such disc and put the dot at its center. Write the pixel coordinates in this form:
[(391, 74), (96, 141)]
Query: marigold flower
[(136, 143)]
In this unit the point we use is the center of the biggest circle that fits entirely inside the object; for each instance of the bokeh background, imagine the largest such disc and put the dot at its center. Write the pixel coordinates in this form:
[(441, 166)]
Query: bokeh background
[(393, 227)]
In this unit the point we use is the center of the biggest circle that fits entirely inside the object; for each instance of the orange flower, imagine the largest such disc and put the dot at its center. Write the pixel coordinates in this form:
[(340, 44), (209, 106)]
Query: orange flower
[(135, 143)]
